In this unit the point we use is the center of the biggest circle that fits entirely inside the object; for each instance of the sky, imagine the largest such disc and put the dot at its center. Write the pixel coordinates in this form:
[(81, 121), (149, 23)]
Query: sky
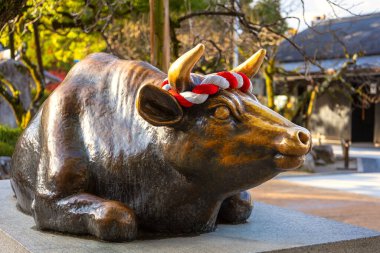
[(321, 7)]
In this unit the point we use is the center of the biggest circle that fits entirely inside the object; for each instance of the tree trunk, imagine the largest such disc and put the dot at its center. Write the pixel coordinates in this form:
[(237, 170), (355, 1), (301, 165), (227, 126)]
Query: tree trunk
[(159, 34), (268, 74), (12, 44), (38, 49), (269, 91), (313, 98)]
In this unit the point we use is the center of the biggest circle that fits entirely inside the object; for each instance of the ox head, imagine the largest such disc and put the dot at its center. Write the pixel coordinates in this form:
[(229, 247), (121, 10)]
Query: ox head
[(231, 140)]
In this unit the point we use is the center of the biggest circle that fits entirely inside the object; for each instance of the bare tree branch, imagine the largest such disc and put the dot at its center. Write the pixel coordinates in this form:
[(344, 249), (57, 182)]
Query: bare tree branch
[(210, 13)]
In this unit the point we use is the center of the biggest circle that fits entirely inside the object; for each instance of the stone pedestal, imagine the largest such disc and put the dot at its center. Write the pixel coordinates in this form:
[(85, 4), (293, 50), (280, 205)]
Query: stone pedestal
[(270, 229)]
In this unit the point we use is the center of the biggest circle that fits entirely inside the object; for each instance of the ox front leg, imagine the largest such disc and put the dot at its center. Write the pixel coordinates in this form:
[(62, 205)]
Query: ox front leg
[(86, 214), (236, 209)]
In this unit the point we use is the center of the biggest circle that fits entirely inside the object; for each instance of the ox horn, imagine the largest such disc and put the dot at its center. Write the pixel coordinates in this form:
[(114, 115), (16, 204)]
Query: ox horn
[(251, 66), (179, 71)]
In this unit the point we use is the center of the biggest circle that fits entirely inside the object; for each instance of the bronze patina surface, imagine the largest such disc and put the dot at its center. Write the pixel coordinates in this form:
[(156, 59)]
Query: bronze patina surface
[(112, 154)]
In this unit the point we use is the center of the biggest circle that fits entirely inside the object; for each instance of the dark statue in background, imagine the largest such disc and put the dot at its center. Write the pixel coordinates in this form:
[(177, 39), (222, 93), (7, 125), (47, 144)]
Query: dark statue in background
[(112, 154)]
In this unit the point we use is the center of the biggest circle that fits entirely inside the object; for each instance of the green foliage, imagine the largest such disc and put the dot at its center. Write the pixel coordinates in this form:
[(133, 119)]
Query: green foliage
[(6, 149), (181, 7), (8, 139), (268, 12), (64, 38), (59, 52)]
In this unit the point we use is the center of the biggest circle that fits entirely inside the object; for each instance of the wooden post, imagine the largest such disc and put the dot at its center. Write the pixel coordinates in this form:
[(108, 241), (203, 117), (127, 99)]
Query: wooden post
[(38, 50), (346, 153), (235, 28), (159, 34)]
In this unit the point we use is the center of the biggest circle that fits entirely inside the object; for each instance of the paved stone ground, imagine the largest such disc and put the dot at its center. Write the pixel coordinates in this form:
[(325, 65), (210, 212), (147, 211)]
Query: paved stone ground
[(356, 209), (361, 183), (359, 150)]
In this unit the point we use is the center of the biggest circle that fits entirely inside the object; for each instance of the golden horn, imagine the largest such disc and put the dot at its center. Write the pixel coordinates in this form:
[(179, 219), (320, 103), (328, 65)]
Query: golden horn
[(251, 66), (179, 71)]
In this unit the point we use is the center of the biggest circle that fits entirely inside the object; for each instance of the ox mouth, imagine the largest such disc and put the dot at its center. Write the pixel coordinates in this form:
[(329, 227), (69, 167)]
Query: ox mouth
[(287, 162)]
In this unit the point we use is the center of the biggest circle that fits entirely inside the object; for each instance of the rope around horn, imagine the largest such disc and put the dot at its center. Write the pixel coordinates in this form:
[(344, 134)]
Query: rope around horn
[(209, 86)]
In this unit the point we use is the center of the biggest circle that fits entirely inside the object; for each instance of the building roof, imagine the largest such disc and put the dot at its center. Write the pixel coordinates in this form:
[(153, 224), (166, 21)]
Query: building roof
[(328, 38), (365, 62)]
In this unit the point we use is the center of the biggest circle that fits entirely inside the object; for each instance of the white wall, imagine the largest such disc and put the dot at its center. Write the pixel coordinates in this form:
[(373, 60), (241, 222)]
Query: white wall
[(332, 117)]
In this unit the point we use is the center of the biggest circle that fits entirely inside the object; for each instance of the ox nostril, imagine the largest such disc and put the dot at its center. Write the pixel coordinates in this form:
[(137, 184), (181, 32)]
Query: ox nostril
[(303, 137)]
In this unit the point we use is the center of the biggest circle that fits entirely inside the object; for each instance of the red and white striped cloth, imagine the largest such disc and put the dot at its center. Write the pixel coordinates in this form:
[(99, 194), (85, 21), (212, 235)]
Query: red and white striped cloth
[(209, 86)]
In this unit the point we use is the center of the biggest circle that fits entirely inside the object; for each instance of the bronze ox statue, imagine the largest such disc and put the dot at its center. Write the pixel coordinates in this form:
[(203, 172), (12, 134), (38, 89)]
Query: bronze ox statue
[(112, 154)]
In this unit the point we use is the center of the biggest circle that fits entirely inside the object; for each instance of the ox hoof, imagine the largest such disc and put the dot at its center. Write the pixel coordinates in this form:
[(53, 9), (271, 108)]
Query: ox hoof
[(236, 209), (113, 222)]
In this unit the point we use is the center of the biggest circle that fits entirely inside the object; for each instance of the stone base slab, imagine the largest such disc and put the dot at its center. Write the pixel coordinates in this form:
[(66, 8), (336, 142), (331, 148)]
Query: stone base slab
[(270, 229)]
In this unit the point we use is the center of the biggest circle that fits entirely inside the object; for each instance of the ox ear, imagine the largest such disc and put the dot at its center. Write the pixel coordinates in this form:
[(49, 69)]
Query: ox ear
[(157, 106)]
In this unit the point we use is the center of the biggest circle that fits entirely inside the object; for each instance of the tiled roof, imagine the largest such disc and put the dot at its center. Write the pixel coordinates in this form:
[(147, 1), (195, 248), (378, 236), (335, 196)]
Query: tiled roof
[(327, 39)]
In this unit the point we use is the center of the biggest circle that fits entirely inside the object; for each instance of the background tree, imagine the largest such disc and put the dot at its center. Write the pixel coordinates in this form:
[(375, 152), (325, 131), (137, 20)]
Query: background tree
[(70, 30)]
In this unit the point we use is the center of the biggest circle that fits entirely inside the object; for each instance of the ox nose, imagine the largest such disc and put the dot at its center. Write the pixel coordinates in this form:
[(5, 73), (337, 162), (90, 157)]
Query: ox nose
[(304, 137), (296, 142), (301, 141)]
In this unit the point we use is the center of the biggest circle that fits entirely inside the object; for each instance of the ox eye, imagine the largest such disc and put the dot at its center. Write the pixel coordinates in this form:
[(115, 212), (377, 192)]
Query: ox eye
[(222, 113)]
